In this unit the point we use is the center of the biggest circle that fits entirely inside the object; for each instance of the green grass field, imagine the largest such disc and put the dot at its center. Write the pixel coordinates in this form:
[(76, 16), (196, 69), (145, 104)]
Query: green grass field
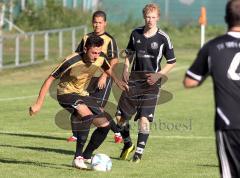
[(181, 143)]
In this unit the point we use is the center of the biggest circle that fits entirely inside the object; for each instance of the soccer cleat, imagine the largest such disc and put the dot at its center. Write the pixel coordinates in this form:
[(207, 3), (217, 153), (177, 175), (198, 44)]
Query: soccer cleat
[(72, 139), (126, 151), (78, 162), (135, 159), (118, 138)]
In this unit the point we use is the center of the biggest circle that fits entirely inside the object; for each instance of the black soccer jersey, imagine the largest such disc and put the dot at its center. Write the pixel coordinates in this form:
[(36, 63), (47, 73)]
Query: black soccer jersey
[(220, 58), (147, 52)]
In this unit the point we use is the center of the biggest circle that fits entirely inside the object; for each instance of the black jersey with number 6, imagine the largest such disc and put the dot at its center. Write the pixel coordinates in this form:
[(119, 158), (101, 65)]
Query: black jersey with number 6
[(220, 58)]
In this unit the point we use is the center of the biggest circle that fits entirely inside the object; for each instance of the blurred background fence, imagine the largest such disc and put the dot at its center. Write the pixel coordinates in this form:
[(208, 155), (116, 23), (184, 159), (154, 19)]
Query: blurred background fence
[(35, 47), (24, 48)]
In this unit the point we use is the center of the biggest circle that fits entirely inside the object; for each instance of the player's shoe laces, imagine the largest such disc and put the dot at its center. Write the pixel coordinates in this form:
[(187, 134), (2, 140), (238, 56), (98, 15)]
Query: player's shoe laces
[(72, 139), (78, 162), (126, 151), (135, 159), (118, 138)]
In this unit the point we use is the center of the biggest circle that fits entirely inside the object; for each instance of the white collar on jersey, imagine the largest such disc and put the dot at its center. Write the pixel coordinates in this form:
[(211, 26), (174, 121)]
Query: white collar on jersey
[(234, 34)]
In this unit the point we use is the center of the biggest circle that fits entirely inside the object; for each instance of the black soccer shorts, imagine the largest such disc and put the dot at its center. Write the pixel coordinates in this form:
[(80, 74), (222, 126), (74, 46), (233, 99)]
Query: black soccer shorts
[(140, 99), (71, 100), (228, 150), (101, 95), (70, 103)]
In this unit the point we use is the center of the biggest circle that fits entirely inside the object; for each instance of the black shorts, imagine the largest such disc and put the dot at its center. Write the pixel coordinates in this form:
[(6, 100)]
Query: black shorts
[(228, 150), (71, 100), (101, 95), (140, 99)]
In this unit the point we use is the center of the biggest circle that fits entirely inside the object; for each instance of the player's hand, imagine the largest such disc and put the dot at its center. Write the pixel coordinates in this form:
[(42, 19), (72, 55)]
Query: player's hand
[(152, 78), (102, 82), (122, 85), (34, 109), (125, 76)]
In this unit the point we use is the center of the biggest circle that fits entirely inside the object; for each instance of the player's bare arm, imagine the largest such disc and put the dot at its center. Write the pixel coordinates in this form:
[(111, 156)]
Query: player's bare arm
[(121, 84), (190, 83), (103, 78), (43, 91), (125, 75)]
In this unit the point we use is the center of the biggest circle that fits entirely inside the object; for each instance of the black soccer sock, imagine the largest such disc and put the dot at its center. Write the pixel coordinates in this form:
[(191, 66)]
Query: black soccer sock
[(81, 140), (113, 127), (96, 140), (81, 130), (125, 132), (75, 119), (74, 133), (141, 143)]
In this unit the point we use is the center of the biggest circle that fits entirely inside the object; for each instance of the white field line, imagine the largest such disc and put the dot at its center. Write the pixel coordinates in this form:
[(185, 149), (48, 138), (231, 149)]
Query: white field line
[(34, 96), (182, 137), (134, 136), (17, 98)]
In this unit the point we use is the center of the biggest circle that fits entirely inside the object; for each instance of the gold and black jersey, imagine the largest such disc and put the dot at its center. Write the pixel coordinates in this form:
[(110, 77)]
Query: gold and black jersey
[(109, 47), (75, 74)]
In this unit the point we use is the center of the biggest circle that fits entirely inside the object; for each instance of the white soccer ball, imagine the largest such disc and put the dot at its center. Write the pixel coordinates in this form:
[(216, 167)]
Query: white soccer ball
[(101, 162)]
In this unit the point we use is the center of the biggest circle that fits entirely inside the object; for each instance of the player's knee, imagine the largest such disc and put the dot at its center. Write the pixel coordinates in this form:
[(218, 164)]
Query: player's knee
[(120, 121), (118, 118), (105, 124), (144, 125), (101, 120), (83, 110), (81, 123)]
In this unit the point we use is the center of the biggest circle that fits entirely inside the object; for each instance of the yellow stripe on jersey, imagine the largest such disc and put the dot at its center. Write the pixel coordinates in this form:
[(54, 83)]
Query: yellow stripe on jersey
[(75, 74), (109, 47)]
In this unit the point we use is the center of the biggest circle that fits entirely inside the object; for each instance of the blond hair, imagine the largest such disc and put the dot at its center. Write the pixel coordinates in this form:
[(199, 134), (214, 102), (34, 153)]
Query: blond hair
[(151, 7)]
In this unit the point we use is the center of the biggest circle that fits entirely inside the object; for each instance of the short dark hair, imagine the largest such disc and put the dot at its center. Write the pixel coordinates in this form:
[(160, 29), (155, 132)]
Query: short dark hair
[(99, 14), (232, 16), (93, 41)]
